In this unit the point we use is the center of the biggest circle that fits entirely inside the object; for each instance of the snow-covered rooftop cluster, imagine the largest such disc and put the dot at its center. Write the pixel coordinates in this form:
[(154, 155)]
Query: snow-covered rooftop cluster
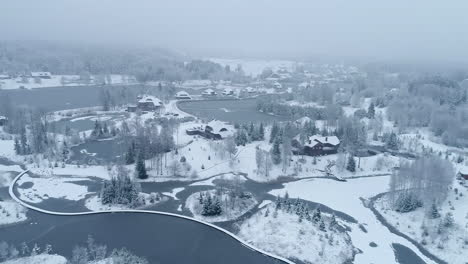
[(316, 139)]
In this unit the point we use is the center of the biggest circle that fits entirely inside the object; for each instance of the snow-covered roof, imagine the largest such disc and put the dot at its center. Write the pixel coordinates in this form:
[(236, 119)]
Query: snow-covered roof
[(150, 98), (40, 74), (315, 139), (208, 91), (463, 171), (303, 120), (182, 93), (3, 118), (221, 127)]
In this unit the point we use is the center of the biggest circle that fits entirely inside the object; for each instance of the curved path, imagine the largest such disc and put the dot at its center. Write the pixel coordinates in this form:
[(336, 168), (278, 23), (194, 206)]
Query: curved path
[(14, 197)]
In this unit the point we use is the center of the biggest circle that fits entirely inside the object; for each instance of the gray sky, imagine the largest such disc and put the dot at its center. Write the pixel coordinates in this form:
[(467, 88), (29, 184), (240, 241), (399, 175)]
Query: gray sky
[(396, 29)]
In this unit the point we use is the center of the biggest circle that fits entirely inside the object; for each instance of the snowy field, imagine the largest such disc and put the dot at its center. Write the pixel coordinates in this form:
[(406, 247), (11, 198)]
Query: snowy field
[(59, 80), (346, 197), (284, 235), (44, 188), (39, 259), (450, 243), (11, 212)]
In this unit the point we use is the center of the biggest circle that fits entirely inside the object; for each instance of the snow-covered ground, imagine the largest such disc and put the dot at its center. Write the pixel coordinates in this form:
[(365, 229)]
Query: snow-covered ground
[(38, 259), (59, 80), (286, 236), (451, 244), (232, 208), (44, 188), (345, 197), (94, 203), (11, 212)]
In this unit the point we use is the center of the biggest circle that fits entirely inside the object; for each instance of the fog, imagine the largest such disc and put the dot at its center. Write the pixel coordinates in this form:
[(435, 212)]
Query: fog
[(396, 30)]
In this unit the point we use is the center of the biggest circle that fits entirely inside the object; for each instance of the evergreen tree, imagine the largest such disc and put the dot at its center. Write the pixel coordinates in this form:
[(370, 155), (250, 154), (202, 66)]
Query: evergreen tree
[(333, 223), (24, 142), (351, 166), (130, 155), (18, 149), (371, 111), (448, 220), (322, 226), (392, 142), (140, 168), (317, 215), (434, 212), (261, 132), (276, 153), (274, 132)]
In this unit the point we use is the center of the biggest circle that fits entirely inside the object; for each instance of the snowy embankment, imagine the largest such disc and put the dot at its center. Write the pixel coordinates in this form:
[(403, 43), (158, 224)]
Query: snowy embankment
[(232, 206), (94, 203), (29, 206), (38, 259), (346, 197), (11, 212), (444, 238), (284, 234)]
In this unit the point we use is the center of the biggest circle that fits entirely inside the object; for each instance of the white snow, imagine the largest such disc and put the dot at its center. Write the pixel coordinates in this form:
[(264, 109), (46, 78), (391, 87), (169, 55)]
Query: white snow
[(11, 212), (57, 81), (345, 197), (452, 244), (38, 259), (286, 236), (51, 187), (230, 211), (174, 192)]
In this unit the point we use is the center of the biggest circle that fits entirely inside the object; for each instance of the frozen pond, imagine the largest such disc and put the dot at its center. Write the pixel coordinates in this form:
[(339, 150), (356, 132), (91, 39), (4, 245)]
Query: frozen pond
[(159, 238), (234, 111)]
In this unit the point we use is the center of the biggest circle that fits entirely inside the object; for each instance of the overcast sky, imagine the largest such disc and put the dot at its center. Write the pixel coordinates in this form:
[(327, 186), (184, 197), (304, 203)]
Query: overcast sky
[(400, 29)]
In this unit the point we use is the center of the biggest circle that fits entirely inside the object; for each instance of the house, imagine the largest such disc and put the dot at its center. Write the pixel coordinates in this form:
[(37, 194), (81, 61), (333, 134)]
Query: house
[(209, 92), (183, 95), (4, 77), (42, 75), (317, 145), (250, 90), (273, 77), (215, 130), (277, 85), (131, 108), (3, 120), (149, 103), (463, 174), (228, 91)]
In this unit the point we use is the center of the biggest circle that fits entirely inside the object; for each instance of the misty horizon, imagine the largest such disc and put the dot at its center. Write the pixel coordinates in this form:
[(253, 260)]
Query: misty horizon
[(398, 31)]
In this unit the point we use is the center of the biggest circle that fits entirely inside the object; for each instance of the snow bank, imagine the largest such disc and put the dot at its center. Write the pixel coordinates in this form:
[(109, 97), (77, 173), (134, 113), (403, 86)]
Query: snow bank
[(39, 259), (51, 187), (11, 212), (286, 236)]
